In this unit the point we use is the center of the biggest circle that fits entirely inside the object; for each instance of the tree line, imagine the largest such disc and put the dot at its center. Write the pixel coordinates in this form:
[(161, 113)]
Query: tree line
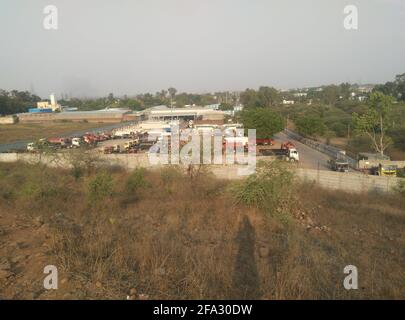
[(169, 97), (15, 101)]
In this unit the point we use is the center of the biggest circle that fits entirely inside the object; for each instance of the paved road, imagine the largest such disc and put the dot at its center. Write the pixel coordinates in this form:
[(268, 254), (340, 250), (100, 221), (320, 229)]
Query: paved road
[(309, 158)]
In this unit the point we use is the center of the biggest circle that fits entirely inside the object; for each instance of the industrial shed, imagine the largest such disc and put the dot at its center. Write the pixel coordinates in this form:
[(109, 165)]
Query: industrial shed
[(189, 113), (104, 115)]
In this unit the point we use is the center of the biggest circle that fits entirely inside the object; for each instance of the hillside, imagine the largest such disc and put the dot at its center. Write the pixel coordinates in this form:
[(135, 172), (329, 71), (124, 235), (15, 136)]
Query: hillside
[(171, 235)]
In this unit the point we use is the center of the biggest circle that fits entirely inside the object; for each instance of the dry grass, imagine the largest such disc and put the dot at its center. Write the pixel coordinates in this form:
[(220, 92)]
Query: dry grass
[(184, 237)]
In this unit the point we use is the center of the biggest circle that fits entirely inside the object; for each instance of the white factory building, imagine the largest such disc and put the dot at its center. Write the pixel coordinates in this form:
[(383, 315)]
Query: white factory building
[(187, 113)]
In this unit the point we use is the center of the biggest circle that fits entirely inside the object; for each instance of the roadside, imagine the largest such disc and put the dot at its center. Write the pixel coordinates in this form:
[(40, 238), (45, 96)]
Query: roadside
[(309, 158)]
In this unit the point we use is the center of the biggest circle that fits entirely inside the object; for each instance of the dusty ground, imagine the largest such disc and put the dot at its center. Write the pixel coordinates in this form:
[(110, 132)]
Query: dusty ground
[(184, 237), (19, 131)]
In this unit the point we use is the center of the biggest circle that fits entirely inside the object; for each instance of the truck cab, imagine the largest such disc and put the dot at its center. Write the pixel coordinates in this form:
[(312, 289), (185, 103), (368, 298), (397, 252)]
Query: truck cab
[(293, 155), (76, 142), (339, 165), (31, 147)]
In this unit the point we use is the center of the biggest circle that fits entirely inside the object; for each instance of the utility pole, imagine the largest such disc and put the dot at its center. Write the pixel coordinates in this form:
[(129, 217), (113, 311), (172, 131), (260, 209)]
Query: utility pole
[(171, 106)]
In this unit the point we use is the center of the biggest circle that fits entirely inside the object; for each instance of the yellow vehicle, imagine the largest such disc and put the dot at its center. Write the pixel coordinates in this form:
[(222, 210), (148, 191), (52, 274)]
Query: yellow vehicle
[(387, 170), (128, 145)]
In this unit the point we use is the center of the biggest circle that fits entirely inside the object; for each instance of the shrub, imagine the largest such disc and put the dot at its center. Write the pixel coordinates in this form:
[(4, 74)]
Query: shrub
[(30, 191), (400, 188), (169, 175), (100, 187), (401, 173), (269, 189), (83, 162), (136, 181), (77, 172)]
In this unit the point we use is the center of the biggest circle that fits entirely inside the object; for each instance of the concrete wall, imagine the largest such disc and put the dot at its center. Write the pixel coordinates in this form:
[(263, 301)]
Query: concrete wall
[(8, 157), (356, 182), (375, 163), (129, 161), (7, 120), (352, 182)]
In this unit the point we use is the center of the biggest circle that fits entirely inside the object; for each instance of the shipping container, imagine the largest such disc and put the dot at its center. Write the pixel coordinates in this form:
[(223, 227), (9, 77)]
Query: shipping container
[(36, 110)]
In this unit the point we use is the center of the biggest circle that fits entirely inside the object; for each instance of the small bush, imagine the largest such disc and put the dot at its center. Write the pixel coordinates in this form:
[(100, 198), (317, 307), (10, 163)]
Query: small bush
[(401, 173), (268, 189), (30, 191), (400, 188), (169, 175), (136, 181), (77, 172), (84, 162), (100, 187)]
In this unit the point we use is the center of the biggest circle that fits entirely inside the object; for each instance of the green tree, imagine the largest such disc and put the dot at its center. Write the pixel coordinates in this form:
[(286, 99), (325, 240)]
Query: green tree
[(344, 89), (375, 121), (310, 126), (172, 93), (268, 96), (249, 99), (16, 101), (133, 104), (266, 122), (265, 97), (110, 98), (225, 106), (330, 94), (395, 88)]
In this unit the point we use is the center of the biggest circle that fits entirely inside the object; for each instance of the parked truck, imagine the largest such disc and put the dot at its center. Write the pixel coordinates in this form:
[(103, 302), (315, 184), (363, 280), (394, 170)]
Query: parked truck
[(112, 149), (131, 146), (339, 165), (264, 142), (77, 142), (387, 170), (290, 152), (377, 164), (235, 143), (59, 142), (287, 152), (90, 139), (37, 146)]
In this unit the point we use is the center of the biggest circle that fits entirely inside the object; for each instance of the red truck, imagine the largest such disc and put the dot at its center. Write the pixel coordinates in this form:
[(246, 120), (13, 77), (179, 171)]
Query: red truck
[(264, 142), (59, 142), (90, 138), (287, 145)]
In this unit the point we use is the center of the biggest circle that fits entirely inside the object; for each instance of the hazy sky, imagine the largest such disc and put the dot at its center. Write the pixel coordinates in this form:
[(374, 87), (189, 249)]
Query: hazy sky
[(134, 46)]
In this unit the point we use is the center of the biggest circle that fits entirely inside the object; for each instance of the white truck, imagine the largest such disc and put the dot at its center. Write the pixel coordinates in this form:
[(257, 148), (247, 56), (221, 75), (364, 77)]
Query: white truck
[(292, 155), (287, 152), (31, 147), (76, 142)]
